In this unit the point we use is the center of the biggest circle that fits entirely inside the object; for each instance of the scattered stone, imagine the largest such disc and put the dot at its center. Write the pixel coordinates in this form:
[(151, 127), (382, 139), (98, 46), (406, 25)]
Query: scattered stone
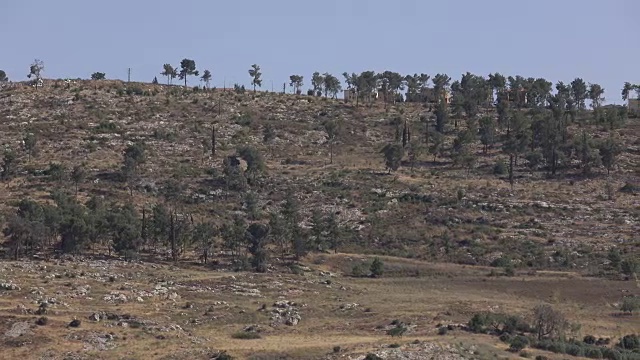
[(21, 309), (349, 306), (115, 297), (75, 323), (18, 329), (8, 286), (285, 312)]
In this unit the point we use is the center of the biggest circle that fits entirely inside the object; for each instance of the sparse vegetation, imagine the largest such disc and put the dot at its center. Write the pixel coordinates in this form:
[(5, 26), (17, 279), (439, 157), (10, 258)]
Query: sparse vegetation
[(154, 193)]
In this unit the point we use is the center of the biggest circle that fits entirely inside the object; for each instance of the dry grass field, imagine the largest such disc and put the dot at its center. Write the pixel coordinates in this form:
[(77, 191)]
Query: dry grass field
[(438, 228), (165, 312)]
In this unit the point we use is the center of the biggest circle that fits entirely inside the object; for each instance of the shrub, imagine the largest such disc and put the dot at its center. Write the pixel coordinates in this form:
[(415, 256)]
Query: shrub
[(336, 349), (268, 133), (574, 350), (514, 323), (541, 357), (134, 91), (442, 330), (558, 347), (518, 343), (371, 356), (399, 330), (238, 89), (244, 120), (525, 354), (501, 262), (165, 134), (500, 168), (534, 159), (106, 127), (589, 339), (506, 338), (296, 269), (630, 304), (246, 335), (509, 271), (479, 322), (42, 321), (377, 267), (629, 267), (630, 342), (310, 92), (593, 353), (630, 188), (394, 346), (223, 356), (611, 354)]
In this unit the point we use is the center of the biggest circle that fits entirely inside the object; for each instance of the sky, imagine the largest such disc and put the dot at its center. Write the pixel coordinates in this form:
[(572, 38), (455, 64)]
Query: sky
[(596, 40)]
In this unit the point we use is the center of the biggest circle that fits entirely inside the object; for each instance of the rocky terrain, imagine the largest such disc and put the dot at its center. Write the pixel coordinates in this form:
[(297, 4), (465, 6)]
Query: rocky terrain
[(440, 229)]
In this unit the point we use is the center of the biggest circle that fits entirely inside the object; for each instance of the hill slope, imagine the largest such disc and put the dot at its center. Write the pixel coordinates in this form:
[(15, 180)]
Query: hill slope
[(438, 210)]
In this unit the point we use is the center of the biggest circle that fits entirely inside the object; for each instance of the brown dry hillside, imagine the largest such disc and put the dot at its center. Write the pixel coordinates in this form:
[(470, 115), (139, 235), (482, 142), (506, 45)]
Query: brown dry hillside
[(437, 211), (441, 228)]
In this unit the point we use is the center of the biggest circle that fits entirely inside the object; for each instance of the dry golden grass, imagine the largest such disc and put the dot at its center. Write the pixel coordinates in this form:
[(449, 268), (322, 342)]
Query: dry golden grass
[(439, 294)]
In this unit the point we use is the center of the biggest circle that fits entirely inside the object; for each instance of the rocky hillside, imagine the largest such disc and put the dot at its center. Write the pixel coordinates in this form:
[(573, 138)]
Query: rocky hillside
[(432, 207)]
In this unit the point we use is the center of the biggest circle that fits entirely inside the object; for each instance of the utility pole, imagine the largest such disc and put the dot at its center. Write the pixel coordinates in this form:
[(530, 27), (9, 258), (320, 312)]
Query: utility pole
[(129, 75), (284, 88), (271, 85)]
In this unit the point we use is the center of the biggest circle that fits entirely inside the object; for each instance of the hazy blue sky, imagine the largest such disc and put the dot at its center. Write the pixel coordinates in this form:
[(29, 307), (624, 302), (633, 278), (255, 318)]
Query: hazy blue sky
[(555, 39)]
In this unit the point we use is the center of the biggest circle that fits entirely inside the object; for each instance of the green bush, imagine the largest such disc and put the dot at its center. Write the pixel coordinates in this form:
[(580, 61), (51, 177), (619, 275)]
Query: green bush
[(500, 168), (518, 343), (509, 270), (442, 330), (479, 322), (399, 330), (558, 347), (611, 354), (377, 267), (506, 338), (501, 262), (296, 269), (244, 120), (589, 339), (358, 270), (106, 127), (514, 323), (134, 91), (574, 350), (593, 353), (630, 304), (629, 342), (534, 159)]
